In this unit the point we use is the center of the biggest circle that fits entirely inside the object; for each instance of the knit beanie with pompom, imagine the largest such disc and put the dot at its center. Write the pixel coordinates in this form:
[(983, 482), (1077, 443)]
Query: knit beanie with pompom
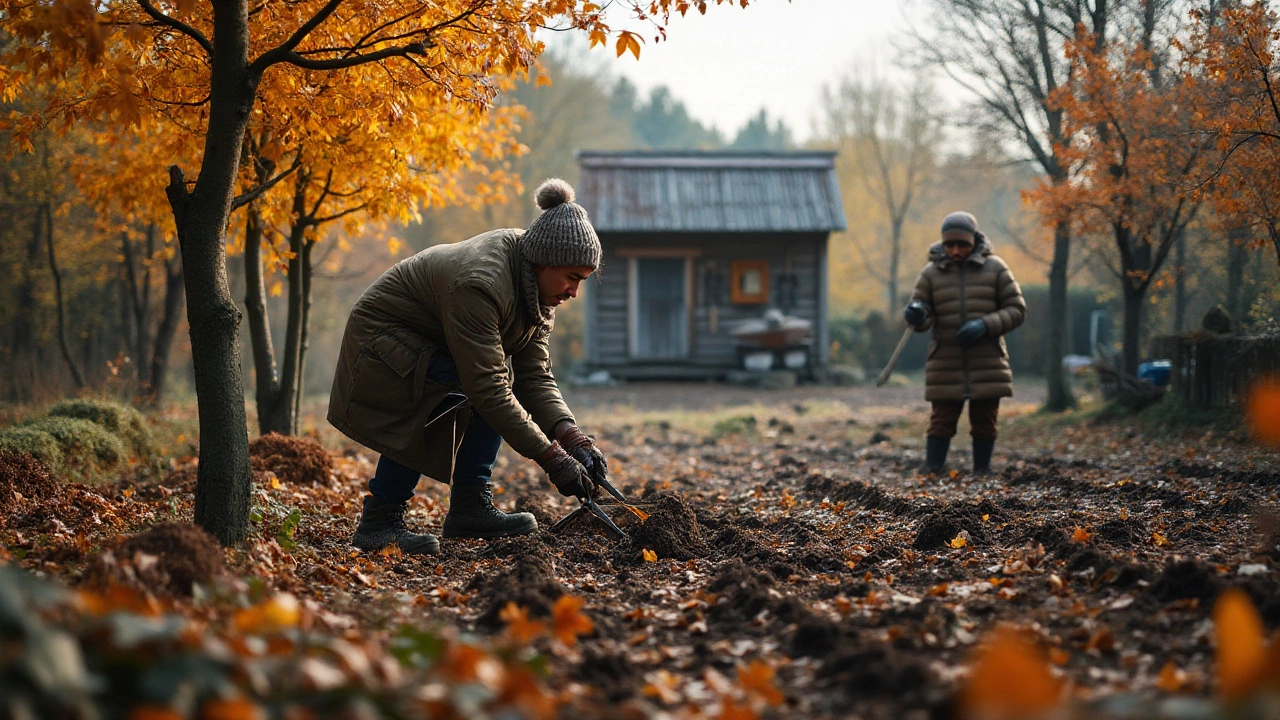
[(561, 236)]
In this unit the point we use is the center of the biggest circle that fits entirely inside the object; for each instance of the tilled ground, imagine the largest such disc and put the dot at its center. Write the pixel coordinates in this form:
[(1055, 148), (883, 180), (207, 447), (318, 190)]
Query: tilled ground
[(812, 541), (799, 532)]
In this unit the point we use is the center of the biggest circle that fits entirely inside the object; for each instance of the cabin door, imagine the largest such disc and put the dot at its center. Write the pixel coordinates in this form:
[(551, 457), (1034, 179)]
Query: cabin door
[(659, 308)]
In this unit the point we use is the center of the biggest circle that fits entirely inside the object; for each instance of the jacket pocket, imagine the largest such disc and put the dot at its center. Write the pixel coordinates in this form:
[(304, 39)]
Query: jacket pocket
[(388, 376), (391, 350)]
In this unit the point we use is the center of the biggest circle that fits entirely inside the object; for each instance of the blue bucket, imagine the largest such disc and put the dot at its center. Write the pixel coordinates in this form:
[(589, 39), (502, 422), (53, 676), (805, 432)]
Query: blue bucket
[(1156, 372)]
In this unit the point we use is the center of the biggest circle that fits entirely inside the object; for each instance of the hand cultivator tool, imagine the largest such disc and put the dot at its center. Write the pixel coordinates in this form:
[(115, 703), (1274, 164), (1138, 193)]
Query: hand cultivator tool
[(590, 506)]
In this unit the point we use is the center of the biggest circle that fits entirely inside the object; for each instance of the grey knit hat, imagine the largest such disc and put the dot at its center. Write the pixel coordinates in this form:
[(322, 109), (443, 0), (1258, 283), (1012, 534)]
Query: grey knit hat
[(960, 226), (562, 235)]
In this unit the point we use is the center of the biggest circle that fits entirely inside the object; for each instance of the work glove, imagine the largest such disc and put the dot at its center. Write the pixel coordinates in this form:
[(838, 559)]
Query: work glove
[(971, 332), (916, 313), (567, 474), (579, 445)]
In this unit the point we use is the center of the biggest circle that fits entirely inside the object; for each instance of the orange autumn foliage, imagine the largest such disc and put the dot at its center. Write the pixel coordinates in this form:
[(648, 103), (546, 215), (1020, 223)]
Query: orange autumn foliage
[(520, 628), (1010, 679), (1235, 55), (1246, 663), (568, 620), (1264, 411)]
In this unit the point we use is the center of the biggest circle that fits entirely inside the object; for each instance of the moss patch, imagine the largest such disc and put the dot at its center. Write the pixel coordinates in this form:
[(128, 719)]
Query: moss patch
[(121, 420)]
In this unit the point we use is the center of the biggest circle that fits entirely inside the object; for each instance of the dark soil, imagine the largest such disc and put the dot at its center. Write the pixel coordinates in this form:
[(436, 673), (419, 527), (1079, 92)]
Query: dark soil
[(164, 560), (671, 531), (528, 580), (292, 459), (23, 479)]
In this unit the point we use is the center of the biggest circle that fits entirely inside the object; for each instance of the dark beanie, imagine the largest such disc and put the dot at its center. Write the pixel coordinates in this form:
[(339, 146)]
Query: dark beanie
[(960, 226), (562, 235)]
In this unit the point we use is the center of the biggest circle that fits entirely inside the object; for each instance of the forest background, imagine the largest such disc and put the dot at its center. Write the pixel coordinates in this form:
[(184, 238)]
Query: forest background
[(98, 305)]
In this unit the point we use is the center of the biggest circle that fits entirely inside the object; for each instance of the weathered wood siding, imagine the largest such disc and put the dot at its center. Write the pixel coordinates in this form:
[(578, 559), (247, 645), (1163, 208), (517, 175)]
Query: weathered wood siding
[(802, 255)]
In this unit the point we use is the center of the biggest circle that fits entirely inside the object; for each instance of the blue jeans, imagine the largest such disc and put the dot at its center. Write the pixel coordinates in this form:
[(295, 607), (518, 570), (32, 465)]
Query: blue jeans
[(478, 452)]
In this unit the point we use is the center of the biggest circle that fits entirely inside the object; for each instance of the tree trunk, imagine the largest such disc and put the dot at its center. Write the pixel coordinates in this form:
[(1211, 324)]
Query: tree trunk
[(138, 296), (1132, 335), (76, 375), (266, 386), (1237, 254), (285, 416), (167, 330), (223, 487), (1180, 284), (1060, 396), (305, 331), (895, 258)]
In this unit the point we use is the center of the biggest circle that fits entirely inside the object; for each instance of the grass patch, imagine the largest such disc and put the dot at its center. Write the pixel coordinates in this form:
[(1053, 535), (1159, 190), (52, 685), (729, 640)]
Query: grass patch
[(21, 440), (85, 449), (123, 421)]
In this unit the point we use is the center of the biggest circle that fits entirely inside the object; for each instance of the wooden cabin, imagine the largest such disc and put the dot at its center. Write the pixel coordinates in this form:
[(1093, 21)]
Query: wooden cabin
[(698, 244)]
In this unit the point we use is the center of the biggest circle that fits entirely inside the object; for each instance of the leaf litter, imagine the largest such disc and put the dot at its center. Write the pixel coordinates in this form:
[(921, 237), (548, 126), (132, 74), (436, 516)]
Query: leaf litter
[(800, 574)]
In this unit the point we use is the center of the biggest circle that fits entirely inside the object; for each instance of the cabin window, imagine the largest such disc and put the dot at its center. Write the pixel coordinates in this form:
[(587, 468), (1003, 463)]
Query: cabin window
[(750, 281)]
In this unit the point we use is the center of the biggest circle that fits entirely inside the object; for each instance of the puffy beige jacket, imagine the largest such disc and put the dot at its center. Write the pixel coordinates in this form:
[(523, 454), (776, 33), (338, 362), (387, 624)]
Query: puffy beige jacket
[(464, 299), (981, 287)]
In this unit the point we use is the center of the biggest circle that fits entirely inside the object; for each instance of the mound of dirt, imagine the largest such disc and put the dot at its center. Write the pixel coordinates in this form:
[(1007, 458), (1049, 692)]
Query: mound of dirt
[(671, 531), (295, 459), (23, 478), (745, 593), (940, 527), (528, 581), (165, 559), (539, 508), (875, 670), (1185, 579), (612, 675)]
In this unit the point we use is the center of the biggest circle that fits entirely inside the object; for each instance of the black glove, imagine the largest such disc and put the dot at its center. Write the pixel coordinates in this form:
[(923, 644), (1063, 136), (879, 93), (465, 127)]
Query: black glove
[(916, 313), (971, 332), (566, 473), (580, 446)]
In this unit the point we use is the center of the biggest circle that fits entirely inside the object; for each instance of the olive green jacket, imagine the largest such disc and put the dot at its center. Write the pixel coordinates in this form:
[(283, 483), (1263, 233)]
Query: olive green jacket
[(982, 287), (464, 299)]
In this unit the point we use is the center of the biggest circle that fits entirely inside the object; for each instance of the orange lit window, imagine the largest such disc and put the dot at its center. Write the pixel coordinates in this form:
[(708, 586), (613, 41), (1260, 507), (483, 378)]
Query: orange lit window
[(750, 281)]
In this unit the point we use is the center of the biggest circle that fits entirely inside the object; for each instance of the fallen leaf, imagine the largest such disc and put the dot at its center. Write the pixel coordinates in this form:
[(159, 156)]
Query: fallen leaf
[(1264, 411), (568, 621), (1010, 679), (1102, 640), (1172, 678), (235, 709), (958, 542), (1081, 535), (1242, 651), (756, 680), (649, 555), (519, 627), (1159, 539), (729, 710)]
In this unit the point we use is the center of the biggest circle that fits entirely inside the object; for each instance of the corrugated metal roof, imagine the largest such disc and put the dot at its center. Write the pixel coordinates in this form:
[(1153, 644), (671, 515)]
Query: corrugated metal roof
[(711, 191)]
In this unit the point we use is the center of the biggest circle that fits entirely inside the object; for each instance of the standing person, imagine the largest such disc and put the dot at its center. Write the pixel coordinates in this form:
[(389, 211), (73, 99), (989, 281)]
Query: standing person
[(423, 375), (970, 299)]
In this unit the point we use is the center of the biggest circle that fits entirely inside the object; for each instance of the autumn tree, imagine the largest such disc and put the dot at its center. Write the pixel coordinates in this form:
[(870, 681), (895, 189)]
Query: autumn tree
[(1233, 57), (1134, 148), (1009, 55), (890, 136), (119, 60)]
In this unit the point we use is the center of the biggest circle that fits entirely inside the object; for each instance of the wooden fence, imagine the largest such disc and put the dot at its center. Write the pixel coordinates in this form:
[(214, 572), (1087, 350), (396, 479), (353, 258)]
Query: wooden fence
[(1217, 371)]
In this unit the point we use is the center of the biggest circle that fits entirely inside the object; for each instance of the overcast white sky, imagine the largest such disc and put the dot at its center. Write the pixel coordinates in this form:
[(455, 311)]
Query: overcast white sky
[(774, 54)]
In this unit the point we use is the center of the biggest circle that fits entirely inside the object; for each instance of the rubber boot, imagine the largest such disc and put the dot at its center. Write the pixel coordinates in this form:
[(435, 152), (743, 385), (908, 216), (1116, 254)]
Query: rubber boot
[(936, 453), (982, 455), (472, 515), (382, 523)]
